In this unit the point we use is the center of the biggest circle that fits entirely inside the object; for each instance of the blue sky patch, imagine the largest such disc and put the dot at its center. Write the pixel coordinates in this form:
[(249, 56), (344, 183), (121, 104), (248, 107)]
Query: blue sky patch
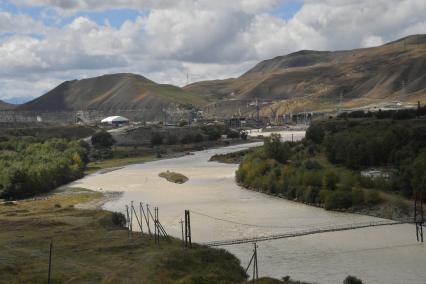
[(288, 9)]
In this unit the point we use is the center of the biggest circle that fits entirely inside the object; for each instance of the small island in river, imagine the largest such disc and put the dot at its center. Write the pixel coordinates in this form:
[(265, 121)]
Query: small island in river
[(174, 177)]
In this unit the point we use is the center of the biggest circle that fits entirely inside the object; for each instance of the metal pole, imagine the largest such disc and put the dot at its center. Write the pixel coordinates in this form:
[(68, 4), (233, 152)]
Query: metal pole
[(131, 218), (186, 228), (181, 225), (189, 229)]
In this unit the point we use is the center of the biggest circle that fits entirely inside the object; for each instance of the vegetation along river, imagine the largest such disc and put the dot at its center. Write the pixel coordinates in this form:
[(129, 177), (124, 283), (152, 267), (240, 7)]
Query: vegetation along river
[(387, 254)]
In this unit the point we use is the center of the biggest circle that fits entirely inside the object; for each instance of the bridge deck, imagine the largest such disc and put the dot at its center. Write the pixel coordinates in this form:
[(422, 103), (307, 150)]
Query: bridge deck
[(312, 231)]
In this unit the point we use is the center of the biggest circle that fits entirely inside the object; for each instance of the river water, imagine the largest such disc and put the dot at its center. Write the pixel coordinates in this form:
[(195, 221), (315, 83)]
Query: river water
[(376, 255)]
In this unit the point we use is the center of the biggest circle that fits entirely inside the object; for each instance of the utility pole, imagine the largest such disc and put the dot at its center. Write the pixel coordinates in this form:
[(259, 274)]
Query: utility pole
[(181, 225), (419, 214), (255, 267), (128, 220), (188, 241), (257, 113), (50, 262)]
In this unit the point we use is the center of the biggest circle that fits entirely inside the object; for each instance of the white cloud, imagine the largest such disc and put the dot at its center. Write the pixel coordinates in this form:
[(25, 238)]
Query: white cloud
[(208, 39)]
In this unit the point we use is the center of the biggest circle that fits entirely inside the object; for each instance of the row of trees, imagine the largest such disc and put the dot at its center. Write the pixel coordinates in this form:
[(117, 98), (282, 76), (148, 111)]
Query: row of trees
[(30, 168), (207, 133), (286, 169), (400, 146)]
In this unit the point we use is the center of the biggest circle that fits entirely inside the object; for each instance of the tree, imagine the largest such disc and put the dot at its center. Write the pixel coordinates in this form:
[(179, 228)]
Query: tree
[(102, 139), (275, 149), (315, 133), (330, 180), (156, 139), (352, 280)]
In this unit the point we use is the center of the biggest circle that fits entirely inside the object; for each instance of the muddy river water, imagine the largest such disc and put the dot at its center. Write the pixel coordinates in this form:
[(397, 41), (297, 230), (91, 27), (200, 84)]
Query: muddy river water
[(387, 254)]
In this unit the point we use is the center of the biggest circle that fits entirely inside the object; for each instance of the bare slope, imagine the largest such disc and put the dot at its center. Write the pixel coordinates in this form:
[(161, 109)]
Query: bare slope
[(115, 91), (6, 106), (315, 80)]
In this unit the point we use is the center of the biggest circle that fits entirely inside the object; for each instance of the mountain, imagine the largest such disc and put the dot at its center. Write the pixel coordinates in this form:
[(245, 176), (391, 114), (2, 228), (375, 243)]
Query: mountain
[(6, 106), (113, 92), (320, 80)]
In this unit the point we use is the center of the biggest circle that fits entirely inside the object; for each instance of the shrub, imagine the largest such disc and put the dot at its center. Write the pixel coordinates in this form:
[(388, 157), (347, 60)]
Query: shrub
[(157, 139), (352, 280), (357, 196), (118, 219), (275, 149), (187, 139), (198, 138), (312, 165), (172, 139), (315, 133), (372, 197), (330, 180), (338, 200), (102, 139)]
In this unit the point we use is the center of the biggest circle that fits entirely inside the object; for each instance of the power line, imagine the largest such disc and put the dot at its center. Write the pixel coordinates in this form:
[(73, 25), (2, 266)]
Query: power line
[(250, 225)]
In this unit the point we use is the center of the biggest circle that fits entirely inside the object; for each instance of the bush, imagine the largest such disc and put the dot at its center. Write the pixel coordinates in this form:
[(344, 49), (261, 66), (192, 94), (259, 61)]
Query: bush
[(198, 138), (372, 197), (338, 200), (357, 197), (157, 139), (212, 133), (275, 149), (118, 219), (187, 139), (172, 139), (330, 180), (33, 168), (315, 133), (312, 165), (102, 139), (352, 280)]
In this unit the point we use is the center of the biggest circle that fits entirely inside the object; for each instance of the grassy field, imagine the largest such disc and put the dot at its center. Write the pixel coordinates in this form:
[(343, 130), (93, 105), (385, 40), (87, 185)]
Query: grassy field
[(174, 177), (88, 248)]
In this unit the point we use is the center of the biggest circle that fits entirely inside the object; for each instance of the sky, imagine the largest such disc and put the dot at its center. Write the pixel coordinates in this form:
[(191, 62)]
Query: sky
[(46, 42)]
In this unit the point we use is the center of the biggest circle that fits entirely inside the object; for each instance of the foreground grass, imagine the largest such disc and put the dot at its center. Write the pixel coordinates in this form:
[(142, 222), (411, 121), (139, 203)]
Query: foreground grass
[(174, 177), (88, 248)]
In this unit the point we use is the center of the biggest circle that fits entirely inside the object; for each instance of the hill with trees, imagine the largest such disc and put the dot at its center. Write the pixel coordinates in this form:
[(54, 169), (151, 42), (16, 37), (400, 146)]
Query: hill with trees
[(325, 168)]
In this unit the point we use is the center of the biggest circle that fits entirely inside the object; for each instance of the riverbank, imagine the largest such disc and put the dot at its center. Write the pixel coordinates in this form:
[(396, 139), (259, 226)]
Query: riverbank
[(89, 248), (124, 156), (391, 206)]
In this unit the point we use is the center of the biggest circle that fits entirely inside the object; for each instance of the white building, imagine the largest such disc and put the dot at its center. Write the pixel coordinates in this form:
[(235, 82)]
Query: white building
[(115, 120)]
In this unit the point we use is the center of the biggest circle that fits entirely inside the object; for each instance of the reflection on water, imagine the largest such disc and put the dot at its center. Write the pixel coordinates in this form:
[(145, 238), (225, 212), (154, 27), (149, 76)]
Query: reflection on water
[(376, 255)]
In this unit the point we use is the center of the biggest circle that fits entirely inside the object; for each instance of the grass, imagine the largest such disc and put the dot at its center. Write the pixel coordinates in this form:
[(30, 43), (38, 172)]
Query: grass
[(174, 177), (88, 248), (230, 158), (117, 162)]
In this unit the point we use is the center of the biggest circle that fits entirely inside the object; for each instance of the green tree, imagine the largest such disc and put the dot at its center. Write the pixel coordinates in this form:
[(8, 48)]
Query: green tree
[(156, 139), (315, 133), (102, 139), (330, 180), (275, 149), (352, 280)]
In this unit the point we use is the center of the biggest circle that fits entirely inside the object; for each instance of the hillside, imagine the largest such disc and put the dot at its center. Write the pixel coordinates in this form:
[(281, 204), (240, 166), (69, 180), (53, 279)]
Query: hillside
[(315, 80), (5, 106), (112, 92)]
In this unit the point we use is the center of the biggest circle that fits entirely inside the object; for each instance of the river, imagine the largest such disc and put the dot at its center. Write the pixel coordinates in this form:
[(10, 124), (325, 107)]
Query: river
[(376, 255)]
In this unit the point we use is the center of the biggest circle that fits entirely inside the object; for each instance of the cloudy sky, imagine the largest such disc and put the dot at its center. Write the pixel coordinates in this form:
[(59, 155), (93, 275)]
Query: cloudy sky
[(45, 42)]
